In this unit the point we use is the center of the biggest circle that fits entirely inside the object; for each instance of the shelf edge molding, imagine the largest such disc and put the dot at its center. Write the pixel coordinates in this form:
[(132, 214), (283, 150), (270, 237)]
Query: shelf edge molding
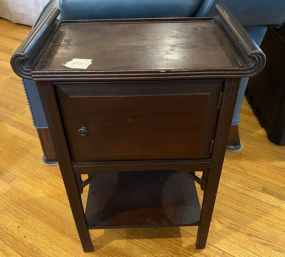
[(253, 56), (23, 59)]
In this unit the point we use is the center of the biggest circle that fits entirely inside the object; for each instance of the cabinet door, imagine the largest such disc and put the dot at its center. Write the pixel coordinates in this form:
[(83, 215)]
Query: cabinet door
[(140, 120)]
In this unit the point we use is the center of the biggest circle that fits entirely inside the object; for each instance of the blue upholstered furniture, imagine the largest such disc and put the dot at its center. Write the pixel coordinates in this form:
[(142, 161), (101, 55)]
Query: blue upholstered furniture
[(255, 15)]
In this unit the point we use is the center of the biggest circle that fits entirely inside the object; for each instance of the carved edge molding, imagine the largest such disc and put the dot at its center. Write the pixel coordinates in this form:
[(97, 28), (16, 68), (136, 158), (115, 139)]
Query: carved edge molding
[(252, 55), (252, 58), (22, 60)]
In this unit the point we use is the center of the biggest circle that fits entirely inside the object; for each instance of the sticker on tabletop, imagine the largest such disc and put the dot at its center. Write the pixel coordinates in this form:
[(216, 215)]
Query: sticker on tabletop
[(77, 63)]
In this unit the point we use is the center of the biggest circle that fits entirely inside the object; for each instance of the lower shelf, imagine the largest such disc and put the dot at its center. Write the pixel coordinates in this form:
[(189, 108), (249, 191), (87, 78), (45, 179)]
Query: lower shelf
[(142, 199)]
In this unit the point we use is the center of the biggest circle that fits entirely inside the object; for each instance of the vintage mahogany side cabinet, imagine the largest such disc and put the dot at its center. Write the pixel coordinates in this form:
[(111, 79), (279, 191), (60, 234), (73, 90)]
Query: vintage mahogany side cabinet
[(140, 106)]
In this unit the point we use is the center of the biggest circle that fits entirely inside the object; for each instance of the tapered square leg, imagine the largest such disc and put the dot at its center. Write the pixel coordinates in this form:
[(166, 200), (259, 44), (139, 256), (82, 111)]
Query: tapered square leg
[(201, 241), (47, 93)]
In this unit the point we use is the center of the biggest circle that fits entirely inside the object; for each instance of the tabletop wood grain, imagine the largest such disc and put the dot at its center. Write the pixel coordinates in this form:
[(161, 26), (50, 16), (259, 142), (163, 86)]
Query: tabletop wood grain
[(150, 46)]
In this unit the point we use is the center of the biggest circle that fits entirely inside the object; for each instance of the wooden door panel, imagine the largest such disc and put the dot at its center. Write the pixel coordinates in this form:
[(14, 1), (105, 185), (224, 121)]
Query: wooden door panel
[(148, 121)]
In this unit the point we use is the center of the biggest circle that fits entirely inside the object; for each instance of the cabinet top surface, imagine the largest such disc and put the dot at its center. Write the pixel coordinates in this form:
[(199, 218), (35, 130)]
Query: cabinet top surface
[(216, 47), (151, 46)]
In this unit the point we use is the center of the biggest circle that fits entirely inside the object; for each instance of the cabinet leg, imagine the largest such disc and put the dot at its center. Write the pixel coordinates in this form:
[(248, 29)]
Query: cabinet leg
[(74, 197), (234, 143), (56, 130), (201, 241), (208, 207), (214, 172), (79, 182), (204, 179)]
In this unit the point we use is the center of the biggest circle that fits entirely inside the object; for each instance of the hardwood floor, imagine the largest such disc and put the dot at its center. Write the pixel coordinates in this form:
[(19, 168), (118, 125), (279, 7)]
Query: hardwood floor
[(35, 218)]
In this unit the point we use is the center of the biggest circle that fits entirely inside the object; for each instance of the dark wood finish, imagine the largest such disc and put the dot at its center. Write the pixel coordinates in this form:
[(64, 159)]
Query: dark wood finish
[(211, 188), (47, 93), (122, 52), (164, 198), (233, 142), (109, 166), (49, 155), (157, 99), (48, 47), (26, 55), (205, 175), (138, 121), (127, 46)]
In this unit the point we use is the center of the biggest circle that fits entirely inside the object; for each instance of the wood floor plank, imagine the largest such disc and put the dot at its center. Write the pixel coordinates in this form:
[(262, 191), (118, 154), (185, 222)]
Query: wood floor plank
[(35, 218)]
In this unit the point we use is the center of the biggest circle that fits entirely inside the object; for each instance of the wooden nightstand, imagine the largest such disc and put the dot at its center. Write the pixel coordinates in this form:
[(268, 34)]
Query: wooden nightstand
[(139, 106)]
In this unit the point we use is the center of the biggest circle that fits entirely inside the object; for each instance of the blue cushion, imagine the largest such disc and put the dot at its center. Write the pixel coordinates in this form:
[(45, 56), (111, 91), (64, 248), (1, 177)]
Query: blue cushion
[(35, 103), (249, 12), (121, 9), (257, 33)]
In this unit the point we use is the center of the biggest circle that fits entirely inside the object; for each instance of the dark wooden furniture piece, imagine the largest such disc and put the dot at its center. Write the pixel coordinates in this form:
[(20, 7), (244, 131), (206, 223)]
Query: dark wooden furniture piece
[(153, 108), (266, 92)]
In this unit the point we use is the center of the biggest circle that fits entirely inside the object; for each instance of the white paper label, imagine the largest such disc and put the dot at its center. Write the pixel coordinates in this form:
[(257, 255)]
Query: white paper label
[(77, 63)]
